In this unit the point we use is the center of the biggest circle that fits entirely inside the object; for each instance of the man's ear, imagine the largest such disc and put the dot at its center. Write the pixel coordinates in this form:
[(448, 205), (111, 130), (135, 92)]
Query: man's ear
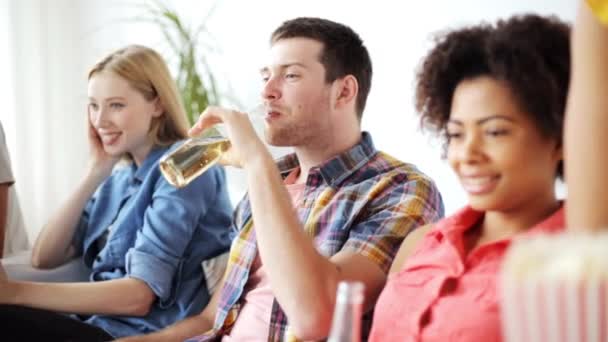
[(347, 91)]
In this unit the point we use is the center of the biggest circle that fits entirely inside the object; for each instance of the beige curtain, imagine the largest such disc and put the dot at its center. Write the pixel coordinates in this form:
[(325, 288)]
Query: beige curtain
[(45, 119)]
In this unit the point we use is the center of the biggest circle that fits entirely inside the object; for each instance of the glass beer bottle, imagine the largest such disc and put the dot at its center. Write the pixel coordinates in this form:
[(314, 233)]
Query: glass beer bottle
[(192, 158), (197, 155), (346, 322)]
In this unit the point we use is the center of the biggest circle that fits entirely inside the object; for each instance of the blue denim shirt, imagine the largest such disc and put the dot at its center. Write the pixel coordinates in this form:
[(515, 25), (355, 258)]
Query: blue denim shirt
[(159, 235)]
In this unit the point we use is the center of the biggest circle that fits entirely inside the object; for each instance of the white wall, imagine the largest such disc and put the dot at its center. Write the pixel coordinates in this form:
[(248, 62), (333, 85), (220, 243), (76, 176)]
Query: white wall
[(396, 33), (6, 91)]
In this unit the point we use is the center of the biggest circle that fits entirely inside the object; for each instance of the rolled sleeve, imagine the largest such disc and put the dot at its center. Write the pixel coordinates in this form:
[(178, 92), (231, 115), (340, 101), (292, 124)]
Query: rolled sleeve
[(391, 218), (152, 270), (169, 224)]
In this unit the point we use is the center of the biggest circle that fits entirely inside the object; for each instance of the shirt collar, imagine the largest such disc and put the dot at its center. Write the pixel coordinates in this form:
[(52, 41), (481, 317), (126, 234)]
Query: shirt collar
[(337, 169), (139, 173), (466, 218)]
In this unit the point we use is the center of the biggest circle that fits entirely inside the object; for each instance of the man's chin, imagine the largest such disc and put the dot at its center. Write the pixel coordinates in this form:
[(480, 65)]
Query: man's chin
[(278, 140)]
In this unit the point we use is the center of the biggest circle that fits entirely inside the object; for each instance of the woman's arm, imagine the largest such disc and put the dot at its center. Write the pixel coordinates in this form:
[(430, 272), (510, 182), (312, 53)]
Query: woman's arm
[(53, 246), (586, 130), (127, 296)]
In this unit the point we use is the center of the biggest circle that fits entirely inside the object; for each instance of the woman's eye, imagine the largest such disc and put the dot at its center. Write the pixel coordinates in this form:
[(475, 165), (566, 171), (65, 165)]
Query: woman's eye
[(454, 135), (291, 76), (93, 106), (496, 132), (116, 105)]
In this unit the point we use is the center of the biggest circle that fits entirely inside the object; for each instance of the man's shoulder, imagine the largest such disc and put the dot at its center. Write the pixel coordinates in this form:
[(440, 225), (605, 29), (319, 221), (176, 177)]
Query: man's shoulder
[(384, 165), (389, 177)]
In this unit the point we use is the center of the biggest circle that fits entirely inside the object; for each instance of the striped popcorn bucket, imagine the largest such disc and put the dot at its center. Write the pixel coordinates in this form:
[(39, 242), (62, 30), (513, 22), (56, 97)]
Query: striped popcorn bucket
[(555, 289)]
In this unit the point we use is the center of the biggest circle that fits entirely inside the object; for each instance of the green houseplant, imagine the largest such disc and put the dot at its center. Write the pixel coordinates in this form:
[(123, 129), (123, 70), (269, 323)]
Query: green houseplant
[(194, 77)]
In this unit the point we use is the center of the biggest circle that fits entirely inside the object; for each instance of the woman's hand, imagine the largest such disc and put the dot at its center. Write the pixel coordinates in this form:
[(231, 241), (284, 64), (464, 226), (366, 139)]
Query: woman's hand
[(101, 163)]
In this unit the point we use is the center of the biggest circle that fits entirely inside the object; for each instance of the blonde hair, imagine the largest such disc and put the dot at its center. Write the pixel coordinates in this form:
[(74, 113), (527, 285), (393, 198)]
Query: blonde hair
[(146, 71)]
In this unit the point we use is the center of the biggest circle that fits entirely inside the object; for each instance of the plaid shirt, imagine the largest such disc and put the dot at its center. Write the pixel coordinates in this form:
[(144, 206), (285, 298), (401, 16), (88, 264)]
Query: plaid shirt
[(362, 201)]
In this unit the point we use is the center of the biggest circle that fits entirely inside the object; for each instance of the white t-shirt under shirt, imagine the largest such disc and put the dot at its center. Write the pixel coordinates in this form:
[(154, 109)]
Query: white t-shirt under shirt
[(15, 237)]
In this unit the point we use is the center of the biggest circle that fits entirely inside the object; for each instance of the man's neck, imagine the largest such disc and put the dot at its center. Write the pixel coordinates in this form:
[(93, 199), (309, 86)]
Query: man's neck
[(316, 154)]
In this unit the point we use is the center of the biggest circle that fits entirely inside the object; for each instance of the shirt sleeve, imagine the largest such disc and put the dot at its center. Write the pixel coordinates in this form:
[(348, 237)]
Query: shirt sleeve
[(6, 174), (391, 216), (82, 226), (168, 227)]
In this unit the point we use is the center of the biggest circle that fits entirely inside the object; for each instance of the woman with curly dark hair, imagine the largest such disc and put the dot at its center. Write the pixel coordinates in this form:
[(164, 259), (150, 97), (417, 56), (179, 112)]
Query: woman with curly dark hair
[(496, 94)]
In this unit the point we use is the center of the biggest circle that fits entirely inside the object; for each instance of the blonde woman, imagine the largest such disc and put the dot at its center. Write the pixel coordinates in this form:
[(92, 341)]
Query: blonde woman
[(142, 239)]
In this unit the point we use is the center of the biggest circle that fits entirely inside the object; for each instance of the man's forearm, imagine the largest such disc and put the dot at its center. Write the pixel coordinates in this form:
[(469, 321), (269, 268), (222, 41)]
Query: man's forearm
[(302, 280)]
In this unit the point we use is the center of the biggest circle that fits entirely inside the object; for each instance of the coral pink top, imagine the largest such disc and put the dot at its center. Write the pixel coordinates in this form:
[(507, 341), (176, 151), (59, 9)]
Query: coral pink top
[(443, 294)]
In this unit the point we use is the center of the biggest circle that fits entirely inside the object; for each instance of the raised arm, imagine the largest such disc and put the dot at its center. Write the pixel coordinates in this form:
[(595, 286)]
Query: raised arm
[(586, 137), (53, 246)]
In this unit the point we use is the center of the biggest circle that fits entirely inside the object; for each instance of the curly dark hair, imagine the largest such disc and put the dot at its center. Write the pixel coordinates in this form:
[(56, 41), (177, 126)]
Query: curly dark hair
[(343, 51), (530, 53)]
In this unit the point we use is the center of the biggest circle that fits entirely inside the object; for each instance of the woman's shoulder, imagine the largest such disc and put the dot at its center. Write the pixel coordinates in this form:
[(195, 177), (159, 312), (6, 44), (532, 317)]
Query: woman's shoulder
[(415, 242), (408, 246)]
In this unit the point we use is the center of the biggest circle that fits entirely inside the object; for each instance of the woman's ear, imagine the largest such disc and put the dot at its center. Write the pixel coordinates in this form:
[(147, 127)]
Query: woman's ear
[(158, 108), (559, 152)]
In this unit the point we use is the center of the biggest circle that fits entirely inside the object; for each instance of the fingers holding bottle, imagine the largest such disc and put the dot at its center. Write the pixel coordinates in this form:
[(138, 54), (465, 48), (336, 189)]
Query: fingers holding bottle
[(245, 143)]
